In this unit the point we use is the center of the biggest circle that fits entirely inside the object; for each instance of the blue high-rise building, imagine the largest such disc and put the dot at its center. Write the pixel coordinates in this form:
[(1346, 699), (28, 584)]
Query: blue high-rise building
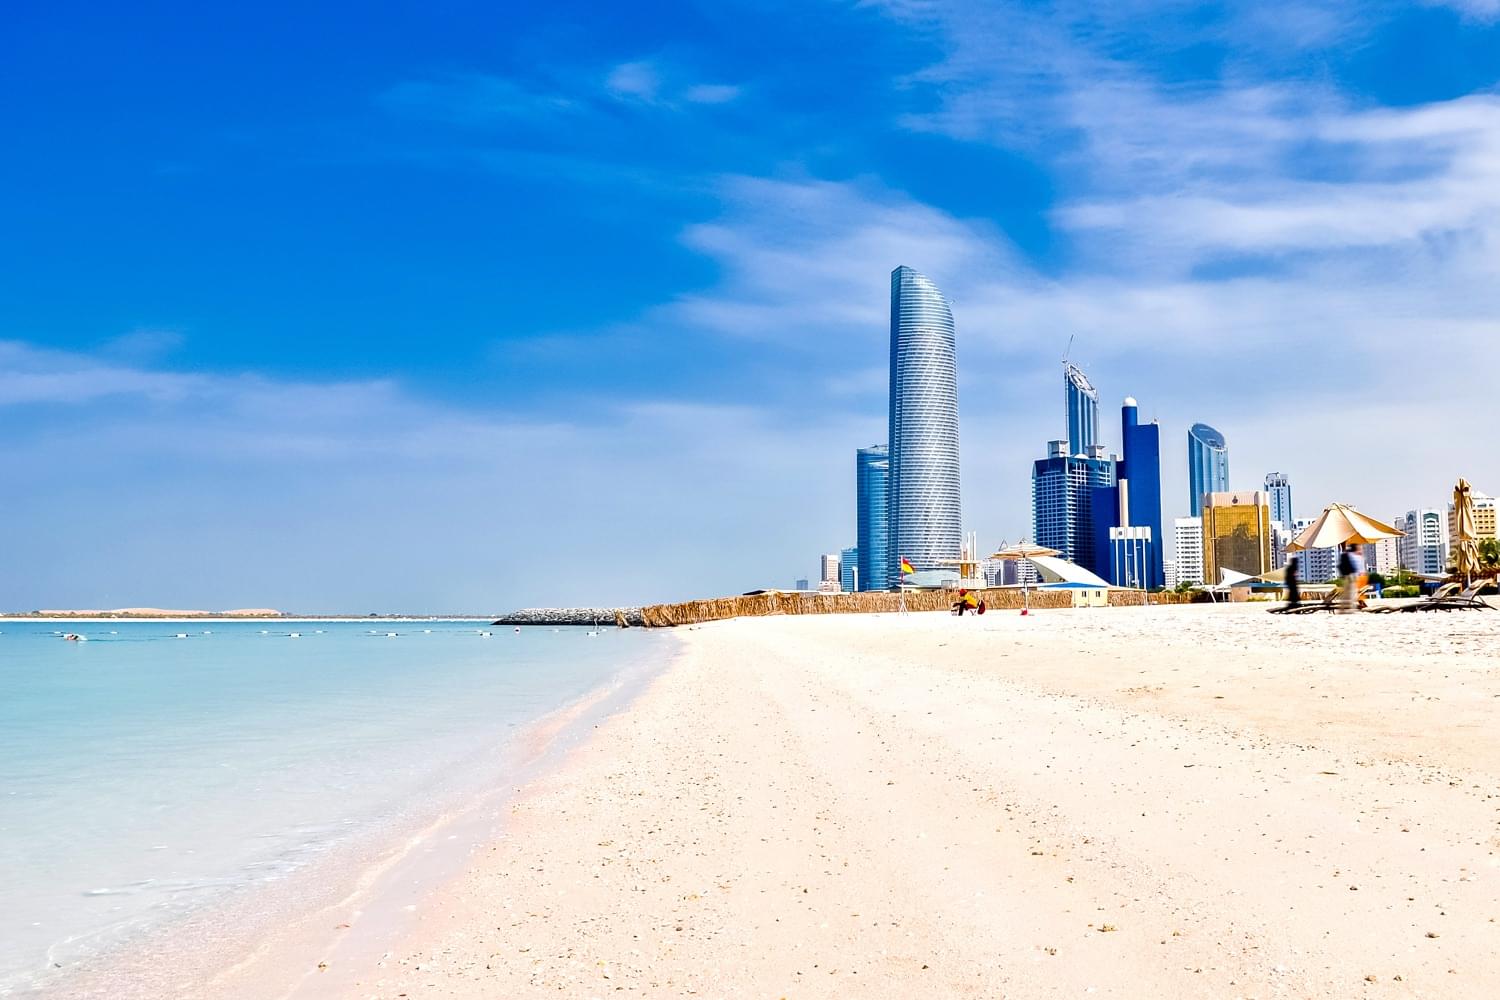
[(848, 568), (1279, 488), (1083, 410), (1064, 487), (1137, 501), (1208, 465), (926, 524), (872, 474)]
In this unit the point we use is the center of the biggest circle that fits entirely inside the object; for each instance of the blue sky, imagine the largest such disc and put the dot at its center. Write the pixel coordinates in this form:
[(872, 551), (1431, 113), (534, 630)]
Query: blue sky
[(462, 306)]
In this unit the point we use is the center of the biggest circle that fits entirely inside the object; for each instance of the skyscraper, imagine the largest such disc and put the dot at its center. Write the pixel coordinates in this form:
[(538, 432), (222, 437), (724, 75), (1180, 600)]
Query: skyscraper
[(1279, 489), (1208, 465), (1064, 488), (848, 569), (1083, 410), (923, 502), (872, 473), (1139, 479)]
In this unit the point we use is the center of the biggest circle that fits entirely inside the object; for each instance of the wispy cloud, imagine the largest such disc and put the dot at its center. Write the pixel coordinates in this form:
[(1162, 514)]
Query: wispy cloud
[(477, 99), (137, 474), (483, 99), (1478, 10)]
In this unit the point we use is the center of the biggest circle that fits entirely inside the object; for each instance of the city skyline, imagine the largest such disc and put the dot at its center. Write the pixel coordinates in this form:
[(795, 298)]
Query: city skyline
[(515, 291)]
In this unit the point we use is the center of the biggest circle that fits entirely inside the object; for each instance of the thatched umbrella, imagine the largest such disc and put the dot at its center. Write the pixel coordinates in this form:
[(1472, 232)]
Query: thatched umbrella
[(1024, 550), (1340, 523), (1465, 537)]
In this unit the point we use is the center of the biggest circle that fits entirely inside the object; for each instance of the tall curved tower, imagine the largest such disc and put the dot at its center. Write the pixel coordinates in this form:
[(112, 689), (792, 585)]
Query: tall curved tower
[(1208, 465), (926, 523), (1083, 410)]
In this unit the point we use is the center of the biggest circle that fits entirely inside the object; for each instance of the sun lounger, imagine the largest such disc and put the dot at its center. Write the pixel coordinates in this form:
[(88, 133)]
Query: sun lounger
[(1446, 590), (1444, 599), (1330, 601)]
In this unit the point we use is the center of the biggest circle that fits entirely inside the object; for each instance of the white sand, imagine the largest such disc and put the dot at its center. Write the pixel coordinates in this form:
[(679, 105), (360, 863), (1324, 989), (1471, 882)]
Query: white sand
[(1183, 802)]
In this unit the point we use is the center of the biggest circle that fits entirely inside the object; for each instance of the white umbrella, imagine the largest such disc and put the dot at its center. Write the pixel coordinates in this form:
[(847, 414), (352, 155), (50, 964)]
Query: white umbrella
[(1024, 550)]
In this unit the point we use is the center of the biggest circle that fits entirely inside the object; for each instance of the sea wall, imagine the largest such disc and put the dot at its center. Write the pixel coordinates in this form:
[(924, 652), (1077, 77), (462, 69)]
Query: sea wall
[(812, 603), (573, 616)]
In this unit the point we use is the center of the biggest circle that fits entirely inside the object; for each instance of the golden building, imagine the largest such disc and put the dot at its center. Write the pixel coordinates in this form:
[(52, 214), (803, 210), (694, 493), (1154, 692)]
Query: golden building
[(1236, 534)]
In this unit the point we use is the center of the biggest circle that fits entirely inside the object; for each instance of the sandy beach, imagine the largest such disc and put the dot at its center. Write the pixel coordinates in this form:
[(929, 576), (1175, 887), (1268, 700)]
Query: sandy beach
[(1183, 802)]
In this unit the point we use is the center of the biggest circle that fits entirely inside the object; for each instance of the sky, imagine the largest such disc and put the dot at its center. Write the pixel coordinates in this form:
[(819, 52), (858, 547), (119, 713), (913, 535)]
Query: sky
[(464, 306)]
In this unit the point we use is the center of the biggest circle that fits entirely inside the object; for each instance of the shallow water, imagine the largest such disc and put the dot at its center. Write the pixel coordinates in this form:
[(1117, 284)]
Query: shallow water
[(157, 767)]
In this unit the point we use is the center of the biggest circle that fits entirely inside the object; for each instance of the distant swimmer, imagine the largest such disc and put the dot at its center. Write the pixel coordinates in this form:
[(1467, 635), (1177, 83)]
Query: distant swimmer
[(72, 637)]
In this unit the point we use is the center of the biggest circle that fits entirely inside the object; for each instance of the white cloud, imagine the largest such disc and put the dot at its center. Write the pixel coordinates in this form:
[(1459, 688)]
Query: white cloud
[(146, 486), (711, 93), (1478, 10), (478, 100), (634, 80)]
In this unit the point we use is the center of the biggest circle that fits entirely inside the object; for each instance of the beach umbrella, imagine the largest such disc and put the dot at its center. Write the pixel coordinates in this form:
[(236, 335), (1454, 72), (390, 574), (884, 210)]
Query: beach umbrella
[(1024, 550), (1466, 538), (1338, 524), (1274, 576)]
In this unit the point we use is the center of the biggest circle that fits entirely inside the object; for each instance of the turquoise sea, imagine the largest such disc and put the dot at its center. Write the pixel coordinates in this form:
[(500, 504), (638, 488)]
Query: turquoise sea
[(159, 767)]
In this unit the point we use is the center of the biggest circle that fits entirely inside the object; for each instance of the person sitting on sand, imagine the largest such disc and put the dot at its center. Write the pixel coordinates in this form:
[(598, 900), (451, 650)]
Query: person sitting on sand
[(966, 602)]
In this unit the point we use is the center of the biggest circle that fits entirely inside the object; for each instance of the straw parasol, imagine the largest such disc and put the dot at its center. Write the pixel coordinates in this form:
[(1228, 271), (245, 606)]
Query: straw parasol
[(1466, 537), (1338, 524), (1024, 550)]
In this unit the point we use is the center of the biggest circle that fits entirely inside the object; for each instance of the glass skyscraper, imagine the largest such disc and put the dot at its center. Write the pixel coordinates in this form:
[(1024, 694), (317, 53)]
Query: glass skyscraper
[(1083, 410), (1279, 489), (1066, 492), (872, 473), (924, 505), (1208, 465), (1139, 476), (848, 568)]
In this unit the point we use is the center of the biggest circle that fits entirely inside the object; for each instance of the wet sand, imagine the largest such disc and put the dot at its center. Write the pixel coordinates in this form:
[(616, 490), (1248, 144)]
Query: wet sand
[(1184, 802)]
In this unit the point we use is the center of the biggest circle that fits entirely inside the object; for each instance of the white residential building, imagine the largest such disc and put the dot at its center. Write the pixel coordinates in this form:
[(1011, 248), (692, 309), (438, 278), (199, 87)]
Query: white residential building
[(1424, 548), (1314, 565), (1281, 537), (1187, 535), (1170, 566), (829, 571), (1383, 556)]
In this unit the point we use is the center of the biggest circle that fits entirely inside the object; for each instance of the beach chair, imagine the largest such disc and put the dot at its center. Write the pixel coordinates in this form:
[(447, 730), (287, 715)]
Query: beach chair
[(1446, 590), (1321, 601), (1332, 601), (1445, 598)]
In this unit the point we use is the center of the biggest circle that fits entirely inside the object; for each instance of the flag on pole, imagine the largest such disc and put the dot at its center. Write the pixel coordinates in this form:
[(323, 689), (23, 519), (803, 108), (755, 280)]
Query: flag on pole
[(906, 566)]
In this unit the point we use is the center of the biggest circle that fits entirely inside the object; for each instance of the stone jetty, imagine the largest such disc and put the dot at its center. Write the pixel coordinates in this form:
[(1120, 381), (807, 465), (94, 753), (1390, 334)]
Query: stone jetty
[(573, 616)]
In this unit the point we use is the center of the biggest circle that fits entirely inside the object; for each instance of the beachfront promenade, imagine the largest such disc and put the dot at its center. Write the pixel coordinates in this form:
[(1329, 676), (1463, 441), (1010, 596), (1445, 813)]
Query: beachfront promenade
[(1186, 802)]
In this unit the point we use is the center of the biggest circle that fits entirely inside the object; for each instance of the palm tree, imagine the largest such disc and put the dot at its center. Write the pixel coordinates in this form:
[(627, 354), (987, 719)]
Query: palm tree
[(1489, 556)]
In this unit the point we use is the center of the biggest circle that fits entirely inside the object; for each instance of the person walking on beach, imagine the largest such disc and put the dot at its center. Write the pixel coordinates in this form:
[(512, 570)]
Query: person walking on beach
[(1350, 567), (1293, 592)]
